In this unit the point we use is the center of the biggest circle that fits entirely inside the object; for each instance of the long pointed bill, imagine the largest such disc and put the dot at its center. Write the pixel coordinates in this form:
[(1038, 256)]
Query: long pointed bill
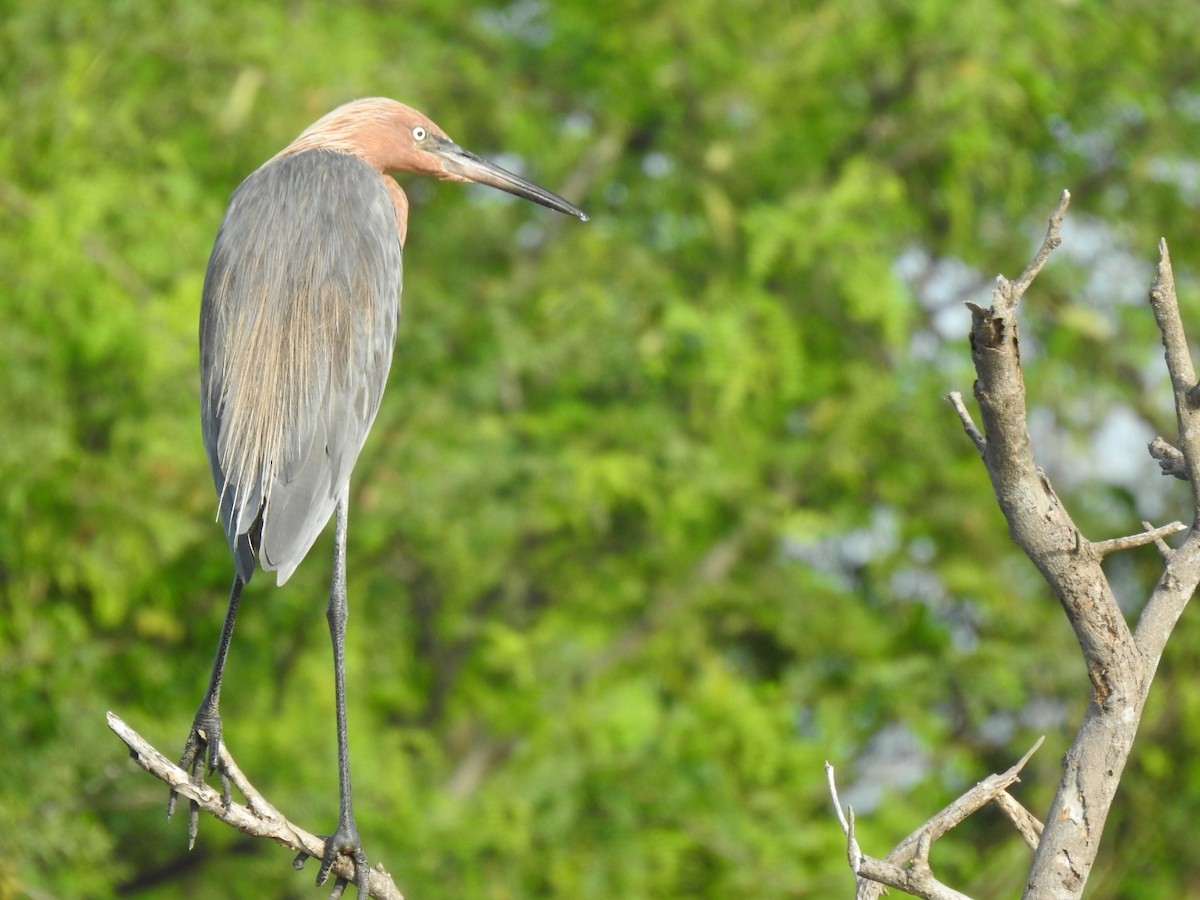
[(467, 165)]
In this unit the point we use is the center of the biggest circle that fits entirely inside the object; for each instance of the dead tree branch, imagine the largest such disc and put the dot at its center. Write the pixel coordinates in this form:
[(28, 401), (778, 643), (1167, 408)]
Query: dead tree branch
[(1150, 536), (1120, 664), (1169, 459), (257, 818), (1023, 820), (907, 866)]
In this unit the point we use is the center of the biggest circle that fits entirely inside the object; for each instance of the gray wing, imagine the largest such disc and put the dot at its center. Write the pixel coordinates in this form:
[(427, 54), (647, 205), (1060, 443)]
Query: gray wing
[(297, 325)]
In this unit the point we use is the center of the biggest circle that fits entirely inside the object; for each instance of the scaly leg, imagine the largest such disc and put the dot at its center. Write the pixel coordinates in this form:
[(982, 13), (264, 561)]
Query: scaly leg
[(204, 740), (344, 839)]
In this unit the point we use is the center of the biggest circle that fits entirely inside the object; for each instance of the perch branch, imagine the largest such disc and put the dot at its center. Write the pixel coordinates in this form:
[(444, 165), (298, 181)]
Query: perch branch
[(257, 818)]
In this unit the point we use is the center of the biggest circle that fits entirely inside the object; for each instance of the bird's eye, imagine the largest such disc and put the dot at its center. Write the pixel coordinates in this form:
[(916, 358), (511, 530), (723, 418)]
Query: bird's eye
[(418, 133)]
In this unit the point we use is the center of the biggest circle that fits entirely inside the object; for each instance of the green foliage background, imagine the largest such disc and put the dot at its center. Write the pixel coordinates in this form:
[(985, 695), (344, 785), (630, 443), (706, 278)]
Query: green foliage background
[(661, 511)]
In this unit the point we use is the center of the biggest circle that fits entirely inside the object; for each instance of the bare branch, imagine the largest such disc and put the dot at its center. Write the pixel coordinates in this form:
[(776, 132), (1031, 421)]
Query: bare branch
[(917, 879), (974, 799), (1169, 459), (1016, 289), (1179, 364), (1037, 519), (1041, 526), (1170, 597), (1165, 550), (907, 866), (968, 424), (1181, 574), (837, 804), (258, 818), (1026, 822), (1154, 535), (1120, 664)]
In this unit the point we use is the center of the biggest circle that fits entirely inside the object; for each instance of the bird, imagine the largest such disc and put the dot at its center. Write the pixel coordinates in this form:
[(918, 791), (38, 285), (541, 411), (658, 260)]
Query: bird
[(298, 319)]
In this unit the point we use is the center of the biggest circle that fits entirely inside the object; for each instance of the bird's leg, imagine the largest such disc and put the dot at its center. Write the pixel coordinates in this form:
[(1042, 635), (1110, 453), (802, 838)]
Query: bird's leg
[(344, 839), (204, 740)]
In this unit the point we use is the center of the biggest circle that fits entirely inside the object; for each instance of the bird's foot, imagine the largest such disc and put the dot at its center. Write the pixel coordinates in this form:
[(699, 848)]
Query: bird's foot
[(344, 841), (203, 746)]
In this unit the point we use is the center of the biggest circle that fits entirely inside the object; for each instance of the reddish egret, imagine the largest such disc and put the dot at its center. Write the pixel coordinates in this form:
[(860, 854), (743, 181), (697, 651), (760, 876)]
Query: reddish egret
[(297, 323)]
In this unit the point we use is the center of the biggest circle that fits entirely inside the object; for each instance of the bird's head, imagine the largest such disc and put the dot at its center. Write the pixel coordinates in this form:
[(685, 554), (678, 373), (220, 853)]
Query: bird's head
[(392, 137)]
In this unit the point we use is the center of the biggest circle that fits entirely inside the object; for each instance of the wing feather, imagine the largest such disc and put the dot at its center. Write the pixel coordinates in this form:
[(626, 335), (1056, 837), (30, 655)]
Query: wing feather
[(297, 325)]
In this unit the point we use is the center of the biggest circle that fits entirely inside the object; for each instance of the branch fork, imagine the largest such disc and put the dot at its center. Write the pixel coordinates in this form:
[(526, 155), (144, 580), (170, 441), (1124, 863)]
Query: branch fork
[(907, 866), (1121, 662)]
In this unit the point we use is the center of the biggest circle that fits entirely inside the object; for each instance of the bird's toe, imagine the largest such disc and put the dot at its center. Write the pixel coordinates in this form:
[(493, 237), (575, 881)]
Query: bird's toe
[(343, 842), (203, 747)]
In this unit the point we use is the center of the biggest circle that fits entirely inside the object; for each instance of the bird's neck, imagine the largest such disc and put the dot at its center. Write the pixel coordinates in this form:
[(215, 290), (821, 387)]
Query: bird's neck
[(400, 202)]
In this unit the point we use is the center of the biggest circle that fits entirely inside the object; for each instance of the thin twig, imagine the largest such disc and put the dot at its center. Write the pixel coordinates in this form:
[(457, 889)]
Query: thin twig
[(258, 818), (974, 799), (907, 866), (916, 878), (854, 854), (837, 804), (1016, 289), (1165, 550), (964, 416), (1114, 545), (1026, 823)]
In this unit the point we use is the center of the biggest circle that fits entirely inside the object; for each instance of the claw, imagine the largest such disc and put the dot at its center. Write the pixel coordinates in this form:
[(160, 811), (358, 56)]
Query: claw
[(203, 747), (344, 841)]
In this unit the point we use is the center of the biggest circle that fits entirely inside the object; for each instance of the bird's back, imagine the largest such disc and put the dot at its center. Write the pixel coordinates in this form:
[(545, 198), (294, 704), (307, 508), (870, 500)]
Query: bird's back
[(297, 326)]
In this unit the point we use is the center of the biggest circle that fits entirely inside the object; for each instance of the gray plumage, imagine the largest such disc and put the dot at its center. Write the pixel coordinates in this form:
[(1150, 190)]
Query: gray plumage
[(297, 325)]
